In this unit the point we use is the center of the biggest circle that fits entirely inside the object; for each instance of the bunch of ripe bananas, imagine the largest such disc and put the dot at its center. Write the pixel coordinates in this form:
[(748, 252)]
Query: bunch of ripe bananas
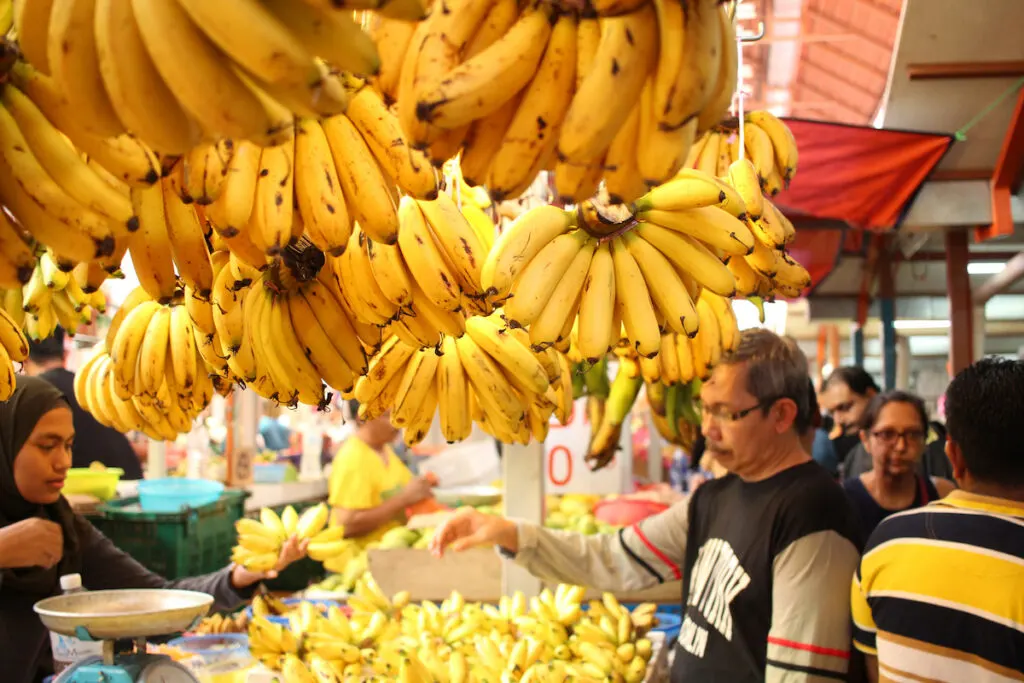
[(490, 374), (322, 177), (550, 637), (149, 375), (618, 90), (52, 296), (425, 284), (219, 623), (671, 380), (13, 349), (767, 142), (174, 72), (259, 542)]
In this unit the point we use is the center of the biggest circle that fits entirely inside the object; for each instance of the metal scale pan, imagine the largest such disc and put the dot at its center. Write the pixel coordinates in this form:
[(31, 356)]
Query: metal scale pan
[(119, 614)]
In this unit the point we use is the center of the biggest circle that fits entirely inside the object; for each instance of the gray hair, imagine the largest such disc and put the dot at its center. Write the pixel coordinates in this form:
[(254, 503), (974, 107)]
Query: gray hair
[(776, 368)]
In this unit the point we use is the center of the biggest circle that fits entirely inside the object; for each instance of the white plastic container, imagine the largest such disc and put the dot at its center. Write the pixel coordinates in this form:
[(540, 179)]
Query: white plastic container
[(68, 650)]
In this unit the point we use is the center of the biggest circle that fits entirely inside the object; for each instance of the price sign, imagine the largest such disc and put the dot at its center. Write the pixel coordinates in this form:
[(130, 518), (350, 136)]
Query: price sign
[(566, 471)]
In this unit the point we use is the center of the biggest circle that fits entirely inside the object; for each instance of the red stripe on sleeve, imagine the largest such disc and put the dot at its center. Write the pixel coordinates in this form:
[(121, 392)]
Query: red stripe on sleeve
[(806, 647), (657, 553)]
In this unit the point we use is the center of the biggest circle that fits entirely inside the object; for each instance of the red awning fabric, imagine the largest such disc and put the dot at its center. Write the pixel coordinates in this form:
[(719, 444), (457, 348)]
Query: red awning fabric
[(863, 176), (818, 249)]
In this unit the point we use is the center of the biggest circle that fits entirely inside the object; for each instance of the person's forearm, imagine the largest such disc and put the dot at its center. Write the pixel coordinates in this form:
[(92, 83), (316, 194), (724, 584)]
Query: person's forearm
[(597, 561), (243, 578), (362, 522)]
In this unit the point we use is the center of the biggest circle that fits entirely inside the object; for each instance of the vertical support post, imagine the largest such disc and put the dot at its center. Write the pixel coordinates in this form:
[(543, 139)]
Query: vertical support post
[(979, 332), (156, 459), (961, 307), (523, 495), (857, 345), (654, 452), (887, 306), (245, 420), (903, 360)]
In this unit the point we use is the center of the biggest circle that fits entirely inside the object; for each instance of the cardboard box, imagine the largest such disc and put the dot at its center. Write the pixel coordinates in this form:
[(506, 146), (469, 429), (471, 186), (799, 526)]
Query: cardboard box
[(475, 573)]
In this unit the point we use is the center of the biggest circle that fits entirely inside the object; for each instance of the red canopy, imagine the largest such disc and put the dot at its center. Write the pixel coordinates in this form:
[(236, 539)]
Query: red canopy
[(863, 176), (852, 176)]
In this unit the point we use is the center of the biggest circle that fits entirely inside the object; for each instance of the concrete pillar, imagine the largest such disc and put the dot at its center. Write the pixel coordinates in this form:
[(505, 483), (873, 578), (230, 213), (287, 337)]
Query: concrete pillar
[(523, 496)]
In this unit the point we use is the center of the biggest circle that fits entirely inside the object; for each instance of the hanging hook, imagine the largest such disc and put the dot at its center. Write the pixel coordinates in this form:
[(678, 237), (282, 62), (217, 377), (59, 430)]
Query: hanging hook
[(754, 37)]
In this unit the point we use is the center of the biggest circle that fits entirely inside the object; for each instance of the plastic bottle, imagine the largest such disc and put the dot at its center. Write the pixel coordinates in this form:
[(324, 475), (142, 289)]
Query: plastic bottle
[(68, 650)]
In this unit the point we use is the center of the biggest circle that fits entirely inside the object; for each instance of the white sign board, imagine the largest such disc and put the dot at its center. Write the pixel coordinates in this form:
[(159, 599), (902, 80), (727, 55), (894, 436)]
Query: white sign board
[(566, 471)]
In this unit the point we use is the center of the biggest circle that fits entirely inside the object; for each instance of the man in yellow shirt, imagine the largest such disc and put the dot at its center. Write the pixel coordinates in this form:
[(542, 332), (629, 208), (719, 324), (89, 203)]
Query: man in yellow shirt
[(370, 488)]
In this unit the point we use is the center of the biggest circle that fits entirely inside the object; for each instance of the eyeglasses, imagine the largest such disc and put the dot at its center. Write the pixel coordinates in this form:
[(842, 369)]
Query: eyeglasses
[(890, 437), (722, 413)]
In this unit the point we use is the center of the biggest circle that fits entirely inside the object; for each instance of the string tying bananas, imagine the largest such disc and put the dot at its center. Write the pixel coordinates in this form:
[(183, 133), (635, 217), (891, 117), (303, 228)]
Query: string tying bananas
[(768, 144), (518, 88), (549, 637)]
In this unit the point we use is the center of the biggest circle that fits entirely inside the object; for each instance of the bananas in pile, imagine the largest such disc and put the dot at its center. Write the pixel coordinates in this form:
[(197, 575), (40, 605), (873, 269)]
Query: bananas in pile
[(550, 637), (489, 375), (174, 72), (591, 94), (767, 142), (219, 623), (53, 295), (259, 542)]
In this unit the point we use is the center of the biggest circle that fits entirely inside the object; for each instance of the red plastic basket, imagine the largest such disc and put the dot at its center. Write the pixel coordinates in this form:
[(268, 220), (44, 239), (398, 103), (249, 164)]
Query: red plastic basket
[(626, 511)]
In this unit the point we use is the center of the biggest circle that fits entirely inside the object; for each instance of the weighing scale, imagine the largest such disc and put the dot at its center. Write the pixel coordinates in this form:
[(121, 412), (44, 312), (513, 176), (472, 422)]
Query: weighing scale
[(109, 616)]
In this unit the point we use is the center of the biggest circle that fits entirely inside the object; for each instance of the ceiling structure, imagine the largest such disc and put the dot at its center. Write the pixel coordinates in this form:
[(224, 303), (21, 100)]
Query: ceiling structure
[(861, 62), (821, 59)]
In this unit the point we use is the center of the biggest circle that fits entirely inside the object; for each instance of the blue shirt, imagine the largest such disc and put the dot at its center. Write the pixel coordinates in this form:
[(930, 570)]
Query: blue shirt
[(824, 453)]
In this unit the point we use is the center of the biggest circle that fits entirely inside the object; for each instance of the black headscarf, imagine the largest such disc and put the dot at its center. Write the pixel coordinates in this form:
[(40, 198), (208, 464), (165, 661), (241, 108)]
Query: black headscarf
[(33, 398)]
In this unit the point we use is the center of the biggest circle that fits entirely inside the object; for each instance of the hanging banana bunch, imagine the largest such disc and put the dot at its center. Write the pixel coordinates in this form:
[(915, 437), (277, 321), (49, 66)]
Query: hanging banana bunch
[(489, 375)]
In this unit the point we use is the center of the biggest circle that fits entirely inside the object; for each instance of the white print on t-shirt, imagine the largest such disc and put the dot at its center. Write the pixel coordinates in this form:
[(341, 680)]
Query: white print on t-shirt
[(715, 581)]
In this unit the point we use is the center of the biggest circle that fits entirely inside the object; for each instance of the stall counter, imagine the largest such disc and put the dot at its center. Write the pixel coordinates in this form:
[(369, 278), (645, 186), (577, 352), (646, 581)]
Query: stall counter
[(276, 495)]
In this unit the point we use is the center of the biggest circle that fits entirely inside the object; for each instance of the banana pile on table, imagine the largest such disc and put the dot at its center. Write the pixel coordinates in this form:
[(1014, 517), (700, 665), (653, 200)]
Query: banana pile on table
[(616, 91), (490, 374), (259, 542), (550, 637)]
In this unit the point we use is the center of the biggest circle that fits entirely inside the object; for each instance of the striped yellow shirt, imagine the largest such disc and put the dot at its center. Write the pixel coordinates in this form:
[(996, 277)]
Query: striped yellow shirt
[(939, 594)]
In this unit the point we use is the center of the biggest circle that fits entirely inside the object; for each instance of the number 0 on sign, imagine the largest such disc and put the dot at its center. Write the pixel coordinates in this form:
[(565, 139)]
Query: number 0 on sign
[(562, 454)]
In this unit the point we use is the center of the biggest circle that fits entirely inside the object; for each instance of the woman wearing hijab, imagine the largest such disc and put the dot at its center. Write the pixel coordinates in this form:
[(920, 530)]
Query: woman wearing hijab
[(42, 539)]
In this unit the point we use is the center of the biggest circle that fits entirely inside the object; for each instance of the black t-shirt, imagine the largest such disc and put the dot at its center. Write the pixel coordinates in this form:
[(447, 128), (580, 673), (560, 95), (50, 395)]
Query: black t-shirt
[(766, 580), (93, 441)]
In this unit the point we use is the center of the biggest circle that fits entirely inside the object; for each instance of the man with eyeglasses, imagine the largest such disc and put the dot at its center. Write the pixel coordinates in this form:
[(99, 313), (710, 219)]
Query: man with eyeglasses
[(765, 553)]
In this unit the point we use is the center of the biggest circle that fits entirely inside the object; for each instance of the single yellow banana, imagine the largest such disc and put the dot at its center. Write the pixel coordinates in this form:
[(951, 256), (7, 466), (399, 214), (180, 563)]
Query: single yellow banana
[(690, 256), (602, 103), (274, 205), (452, 394), (150, 245), (188, 243), (427, 264), (638, 315), (318, 190), (370, 200), (540, 276), (559, 312), (519, 244), (666, 288)]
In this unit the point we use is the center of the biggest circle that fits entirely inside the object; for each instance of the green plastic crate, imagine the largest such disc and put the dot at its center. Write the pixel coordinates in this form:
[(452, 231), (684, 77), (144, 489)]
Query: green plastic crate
[(174, 544)]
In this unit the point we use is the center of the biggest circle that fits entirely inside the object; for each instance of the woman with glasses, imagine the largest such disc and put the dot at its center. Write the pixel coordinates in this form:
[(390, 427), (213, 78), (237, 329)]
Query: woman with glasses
[(893, 431)]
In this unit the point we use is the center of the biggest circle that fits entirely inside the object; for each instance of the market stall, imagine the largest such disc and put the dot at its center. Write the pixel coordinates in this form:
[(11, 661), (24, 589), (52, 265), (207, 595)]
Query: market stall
[(334, 215)]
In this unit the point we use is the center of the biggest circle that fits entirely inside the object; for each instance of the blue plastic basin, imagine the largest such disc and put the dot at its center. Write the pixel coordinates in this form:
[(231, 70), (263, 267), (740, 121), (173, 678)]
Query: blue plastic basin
[(669, 624), (173, 493), (214, 648)]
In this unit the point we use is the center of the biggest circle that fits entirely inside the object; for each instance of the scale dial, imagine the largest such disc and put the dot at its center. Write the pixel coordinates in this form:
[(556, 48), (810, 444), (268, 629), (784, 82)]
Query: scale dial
[(166, 671)]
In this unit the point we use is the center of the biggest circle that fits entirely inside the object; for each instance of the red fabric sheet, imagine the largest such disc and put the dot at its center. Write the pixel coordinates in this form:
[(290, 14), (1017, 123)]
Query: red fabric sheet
[(863, 176)]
